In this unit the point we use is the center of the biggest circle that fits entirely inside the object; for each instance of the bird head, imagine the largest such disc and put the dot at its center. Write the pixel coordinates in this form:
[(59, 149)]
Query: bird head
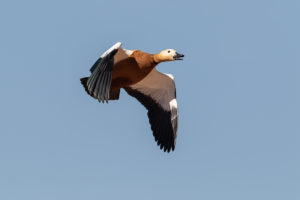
[(168, 55)]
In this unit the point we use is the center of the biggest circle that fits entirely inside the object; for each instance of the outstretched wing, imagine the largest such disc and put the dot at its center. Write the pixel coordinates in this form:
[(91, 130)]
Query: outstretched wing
[(98, 84), (157, 93)]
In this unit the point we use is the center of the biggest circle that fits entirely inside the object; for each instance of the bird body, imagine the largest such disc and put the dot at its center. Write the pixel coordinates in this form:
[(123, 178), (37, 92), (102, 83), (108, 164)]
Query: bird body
[(134, 71)]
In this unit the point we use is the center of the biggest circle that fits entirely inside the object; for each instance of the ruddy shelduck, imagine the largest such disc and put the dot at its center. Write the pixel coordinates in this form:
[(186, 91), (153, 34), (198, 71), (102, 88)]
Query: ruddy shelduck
[(134, 71)]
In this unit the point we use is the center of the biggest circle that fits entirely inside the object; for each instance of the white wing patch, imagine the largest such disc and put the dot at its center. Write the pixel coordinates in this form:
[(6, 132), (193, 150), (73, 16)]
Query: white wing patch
[(173, 104), (115, 46), (174, 116), (171, 76), (128, 52)]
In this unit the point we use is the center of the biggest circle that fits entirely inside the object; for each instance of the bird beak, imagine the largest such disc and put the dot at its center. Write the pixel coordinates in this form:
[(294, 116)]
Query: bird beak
[(178, 56)]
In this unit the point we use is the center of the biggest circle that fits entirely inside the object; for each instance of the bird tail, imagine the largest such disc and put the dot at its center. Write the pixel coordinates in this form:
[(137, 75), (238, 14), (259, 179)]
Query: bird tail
[(114, 94), (84, 83)]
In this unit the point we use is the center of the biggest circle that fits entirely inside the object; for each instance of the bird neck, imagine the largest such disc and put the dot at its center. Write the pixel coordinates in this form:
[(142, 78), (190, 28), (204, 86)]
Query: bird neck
[(156, 58)]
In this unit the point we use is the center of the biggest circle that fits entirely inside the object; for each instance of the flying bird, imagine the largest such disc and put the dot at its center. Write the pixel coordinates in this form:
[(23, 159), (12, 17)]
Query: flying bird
[(134, 71)]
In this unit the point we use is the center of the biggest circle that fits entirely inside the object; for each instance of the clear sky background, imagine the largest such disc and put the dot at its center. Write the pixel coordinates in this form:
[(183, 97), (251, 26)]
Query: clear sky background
[(238, 93)]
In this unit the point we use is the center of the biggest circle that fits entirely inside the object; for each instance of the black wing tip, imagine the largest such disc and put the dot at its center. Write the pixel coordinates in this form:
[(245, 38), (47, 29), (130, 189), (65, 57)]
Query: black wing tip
[(165, 148), (84, 84)]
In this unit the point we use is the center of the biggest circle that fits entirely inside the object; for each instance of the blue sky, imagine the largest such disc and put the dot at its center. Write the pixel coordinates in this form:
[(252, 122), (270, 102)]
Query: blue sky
[(238, 95)]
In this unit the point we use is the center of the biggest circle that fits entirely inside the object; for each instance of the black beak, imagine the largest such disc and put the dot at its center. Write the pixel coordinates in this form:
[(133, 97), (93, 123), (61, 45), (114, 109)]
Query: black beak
[(178, 56)]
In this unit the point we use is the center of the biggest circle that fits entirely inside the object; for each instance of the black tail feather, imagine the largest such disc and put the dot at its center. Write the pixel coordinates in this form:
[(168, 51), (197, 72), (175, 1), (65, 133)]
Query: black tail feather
[(114, 94), (84, 83)]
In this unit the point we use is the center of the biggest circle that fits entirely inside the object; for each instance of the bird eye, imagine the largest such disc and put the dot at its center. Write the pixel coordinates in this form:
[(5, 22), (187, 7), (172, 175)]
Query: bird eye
[(169, 51)]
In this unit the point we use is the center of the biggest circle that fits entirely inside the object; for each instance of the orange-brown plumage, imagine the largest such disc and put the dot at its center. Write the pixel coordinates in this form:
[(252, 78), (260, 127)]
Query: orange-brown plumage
[(132, 69)]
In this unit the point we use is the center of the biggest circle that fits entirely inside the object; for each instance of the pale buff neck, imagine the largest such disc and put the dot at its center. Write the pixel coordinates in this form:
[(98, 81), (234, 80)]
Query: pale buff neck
[(157, 58)]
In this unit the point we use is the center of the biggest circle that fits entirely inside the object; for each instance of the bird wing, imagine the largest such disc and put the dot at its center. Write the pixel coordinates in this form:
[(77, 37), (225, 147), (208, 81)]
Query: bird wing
[(99, 82), (157, 93)]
